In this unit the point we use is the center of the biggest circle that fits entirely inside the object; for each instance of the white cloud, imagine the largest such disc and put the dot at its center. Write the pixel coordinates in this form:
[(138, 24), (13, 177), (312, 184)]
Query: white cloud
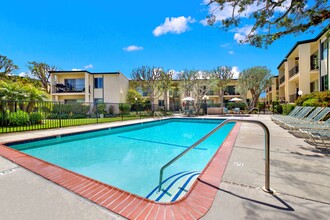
[(132, 48), (235, 71), (173, 25), (231, 52), (23, 74), (74, 69), (241, 33), (90, 66)]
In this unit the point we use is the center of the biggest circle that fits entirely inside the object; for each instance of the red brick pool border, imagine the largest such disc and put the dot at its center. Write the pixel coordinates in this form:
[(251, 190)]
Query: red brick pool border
[(193, 205)]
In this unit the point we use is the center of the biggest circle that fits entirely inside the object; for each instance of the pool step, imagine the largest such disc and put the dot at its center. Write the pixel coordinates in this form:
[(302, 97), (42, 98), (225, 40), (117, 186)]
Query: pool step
[(174, 187)]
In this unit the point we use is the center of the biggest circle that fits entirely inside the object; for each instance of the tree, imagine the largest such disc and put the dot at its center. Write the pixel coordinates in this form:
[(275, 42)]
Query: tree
[(222, 76), (18, 92), (196, 83), (166, 83), (202, 84), (7, 66), (256, 79), (132, 94), (186, 81), (271, 19), (149, 80), (41, 71)]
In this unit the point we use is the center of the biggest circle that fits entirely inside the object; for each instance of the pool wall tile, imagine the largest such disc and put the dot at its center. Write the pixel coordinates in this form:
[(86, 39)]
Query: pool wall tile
[(193, 205)]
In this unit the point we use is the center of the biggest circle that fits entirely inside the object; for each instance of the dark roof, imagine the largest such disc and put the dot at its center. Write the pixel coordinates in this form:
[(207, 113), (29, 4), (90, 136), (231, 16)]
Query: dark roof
[(84, 71), (281, 63), (304, 42)]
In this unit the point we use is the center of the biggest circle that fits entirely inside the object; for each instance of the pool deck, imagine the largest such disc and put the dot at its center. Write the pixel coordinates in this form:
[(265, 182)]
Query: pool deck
[(300, 175)]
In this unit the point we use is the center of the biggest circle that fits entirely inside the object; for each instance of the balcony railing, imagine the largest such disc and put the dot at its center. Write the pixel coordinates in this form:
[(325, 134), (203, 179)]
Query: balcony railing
[(60, 88), (282, 79), (294, 71)]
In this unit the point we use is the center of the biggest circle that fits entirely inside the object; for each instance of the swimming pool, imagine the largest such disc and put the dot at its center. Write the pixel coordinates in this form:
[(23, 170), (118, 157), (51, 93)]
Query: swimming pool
[(130, 157)]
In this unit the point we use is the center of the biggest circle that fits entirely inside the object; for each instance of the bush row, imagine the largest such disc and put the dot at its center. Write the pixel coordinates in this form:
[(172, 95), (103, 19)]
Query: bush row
[(20, 118)]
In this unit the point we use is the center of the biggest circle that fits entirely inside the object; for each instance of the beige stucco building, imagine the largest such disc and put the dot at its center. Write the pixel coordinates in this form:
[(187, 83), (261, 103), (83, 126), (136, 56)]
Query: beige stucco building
[(175, 97), (304, 69), (84, 86)]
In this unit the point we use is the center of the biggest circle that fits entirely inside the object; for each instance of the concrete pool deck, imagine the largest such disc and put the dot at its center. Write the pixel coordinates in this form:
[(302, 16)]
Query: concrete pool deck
[(299, 174)]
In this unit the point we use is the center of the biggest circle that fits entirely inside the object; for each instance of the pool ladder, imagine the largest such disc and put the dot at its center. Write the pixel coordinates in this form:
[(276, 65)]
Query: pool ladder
[(266, 188), (158, 115)]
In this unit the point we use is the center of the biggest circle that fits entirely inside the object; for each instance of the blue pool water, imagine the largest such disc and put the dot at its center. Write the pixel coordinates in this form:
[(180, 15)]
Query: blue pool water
[(130, 157)]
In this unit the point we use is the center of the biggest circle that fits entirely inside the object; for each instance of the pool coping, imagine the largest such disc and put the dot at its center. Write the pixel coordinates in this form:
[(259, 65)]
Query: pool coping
[(193, 205)]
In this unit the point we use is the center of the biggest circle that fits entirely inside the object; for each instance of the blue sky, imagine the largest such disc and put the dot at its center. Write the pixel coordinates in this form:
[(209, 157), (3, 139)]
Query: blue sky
[(105, 35)]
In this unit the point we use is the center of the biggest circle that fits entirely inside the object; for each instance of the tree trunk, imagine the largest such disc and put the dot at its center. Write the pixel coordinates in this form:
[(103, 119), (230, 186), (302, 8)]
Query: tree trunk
[(221, 94)]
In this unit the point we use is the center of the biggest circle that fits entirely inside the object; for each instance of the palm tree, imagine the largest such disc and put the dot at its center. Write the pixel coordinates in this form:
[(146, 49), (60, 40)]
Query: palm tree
[(11, 92), (34, 95)]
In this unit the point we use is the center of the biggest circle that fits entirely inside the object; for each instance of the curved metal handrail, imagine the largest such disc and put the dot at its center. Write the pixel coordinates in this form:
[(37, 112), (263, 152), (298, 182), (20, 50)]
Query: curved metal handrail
[(266, 188), (253, 109)]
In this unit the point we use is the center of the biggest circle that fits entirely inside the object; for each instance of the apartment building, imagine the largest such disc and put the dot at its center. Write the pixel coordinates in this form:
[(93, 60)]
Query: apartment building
[(175, 98), (84, 86), (304, 69)]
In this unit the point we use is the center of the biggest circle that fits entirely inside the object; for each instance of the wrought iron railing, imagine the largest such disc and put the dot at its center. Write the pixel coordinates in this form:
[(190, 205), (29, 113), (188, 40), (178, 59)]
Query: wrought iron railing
[(294, 71)]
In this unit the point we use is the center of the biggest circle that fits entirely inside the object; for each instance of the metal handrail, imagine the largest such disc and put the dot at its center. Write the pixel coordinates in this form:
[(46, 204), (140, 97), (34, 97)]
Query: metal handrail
[(158, 115), (266, 188), (254, 109)]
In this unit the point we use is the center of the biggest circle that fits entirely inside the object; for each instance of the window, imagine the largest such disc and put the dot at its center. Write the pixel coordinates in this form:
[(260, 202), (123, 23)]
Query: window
[(161, 103), (324, 83), (75, 84), (324, 49), (98, 83)]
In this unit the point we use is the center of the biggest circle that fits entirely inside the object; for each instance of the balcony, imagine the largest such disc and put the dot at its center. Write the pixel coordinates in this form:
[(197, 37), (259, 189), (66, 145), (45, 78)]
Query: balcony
[(61, 88), (314, 62), (294, 71), (282, 79)]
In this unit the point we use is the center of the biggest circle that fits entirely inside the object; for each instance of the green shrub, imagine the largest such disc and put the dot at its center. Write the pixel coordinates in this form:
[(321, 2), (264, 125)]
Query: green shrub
[(101, 108), (279, 109), (315, 99), (53, 116), (76, 116), (287, 108), (124, 108), (232, 105), (18, 118), (35, 118)]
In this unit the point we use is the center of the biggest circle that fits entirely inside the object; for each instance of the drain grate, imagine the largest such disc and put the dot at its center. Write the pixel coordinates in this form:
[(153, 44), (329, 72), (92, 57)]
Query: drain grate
[(241, 184), (4, 172)]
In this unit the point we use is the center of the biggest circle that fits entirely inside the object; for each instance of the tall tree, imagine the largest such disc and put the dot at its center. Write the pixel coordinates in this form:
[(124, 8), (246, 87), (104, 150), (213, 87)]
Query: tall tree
[(149, 80), (166, 83), (256, 79), (222, 76), (7, 66), (270, 19), (202, 84), (186, 81), (41, 71)]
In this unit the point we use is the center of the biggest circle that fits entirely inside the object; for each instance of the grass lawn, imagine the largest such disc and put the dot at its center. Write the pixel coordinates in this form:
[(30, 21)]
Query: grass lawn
[(56, 123)]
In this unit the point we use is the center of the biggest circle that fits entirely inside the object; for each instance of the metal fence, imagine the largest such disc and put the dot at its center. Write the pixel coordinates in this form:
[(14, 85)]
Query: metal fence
[(33, 115)]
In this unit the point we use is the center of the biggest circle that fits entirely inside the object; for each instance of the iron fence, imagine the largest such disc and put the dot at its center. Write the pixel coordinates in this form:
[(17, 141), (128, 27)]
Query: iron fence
[(33, 115)]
